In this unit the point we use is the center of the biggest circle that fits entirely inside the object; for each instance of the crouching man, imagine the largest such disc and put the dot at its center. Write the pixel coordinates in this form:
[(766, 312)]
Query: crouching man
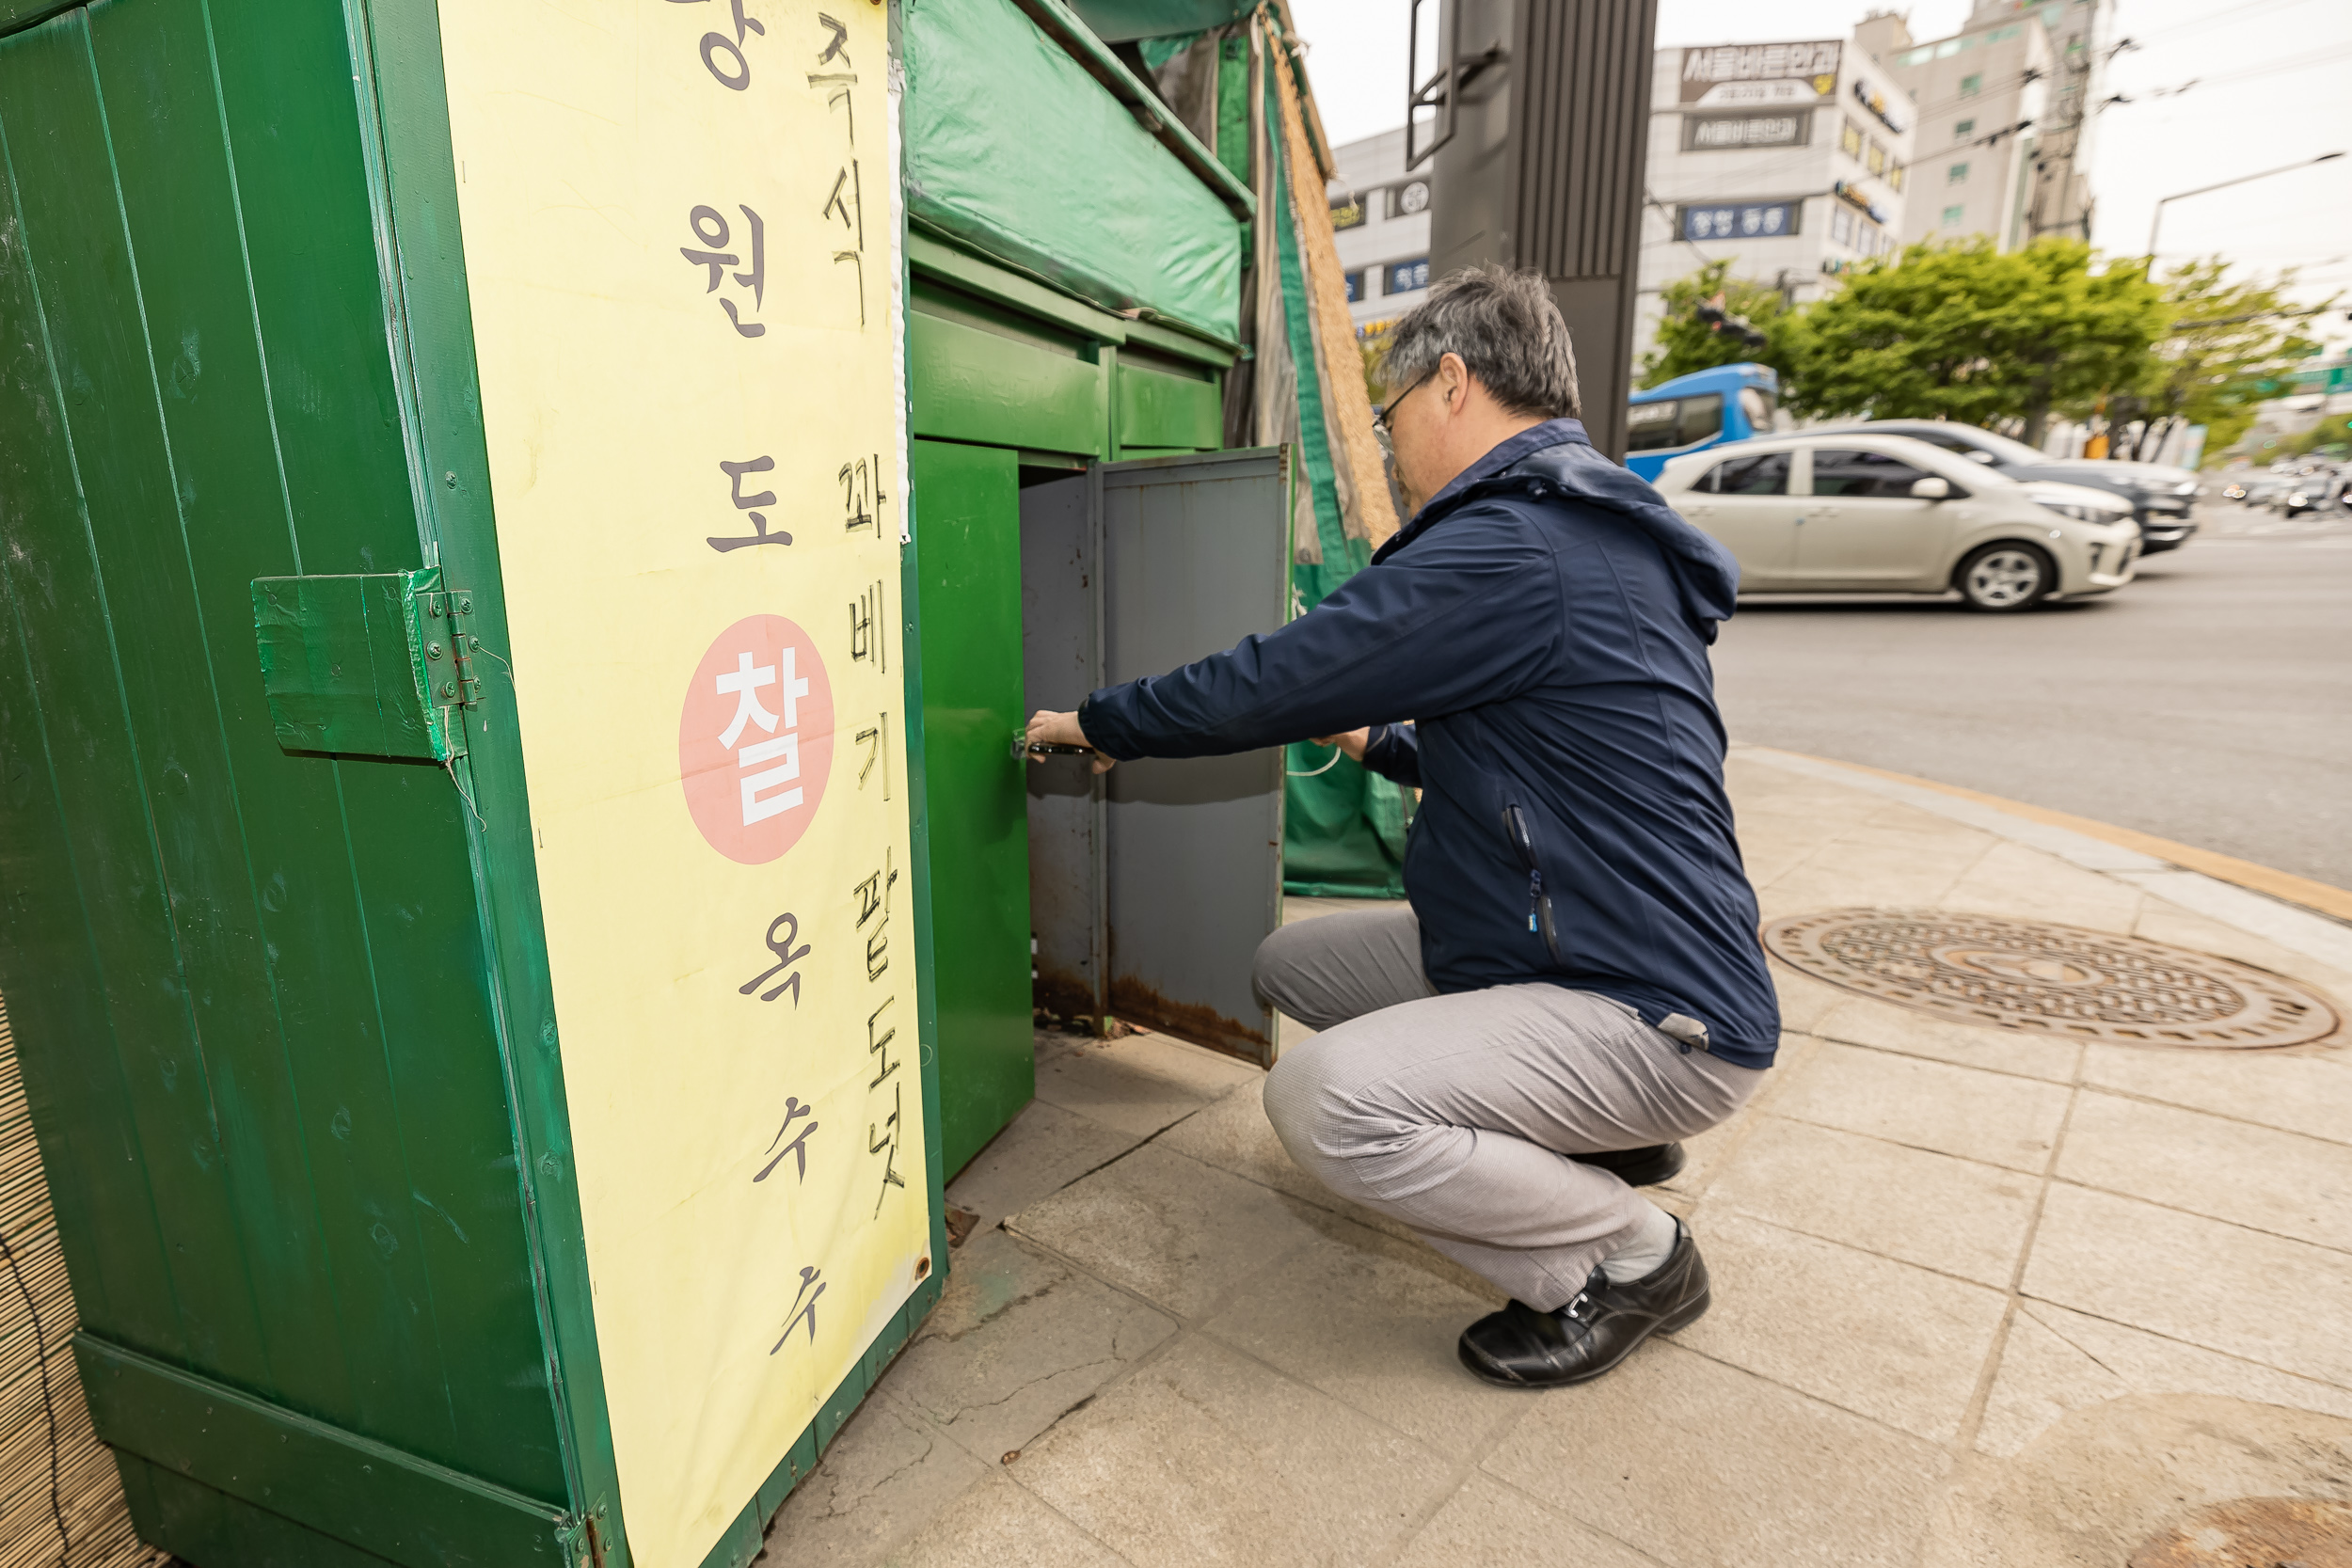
[(1575, 983)]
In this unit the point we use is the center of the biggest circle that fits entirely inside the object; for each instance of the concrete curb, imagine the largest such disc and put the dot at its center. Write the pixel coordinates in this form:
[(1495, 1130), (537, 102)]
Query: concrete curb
[(2299, 929)]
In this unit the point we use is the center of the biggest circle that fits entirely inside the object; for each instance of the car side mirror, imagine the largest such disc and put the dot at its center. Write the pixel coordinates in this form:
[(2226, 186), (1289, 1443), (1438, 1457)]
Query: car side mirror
[(1931, 488), (1984, 457)]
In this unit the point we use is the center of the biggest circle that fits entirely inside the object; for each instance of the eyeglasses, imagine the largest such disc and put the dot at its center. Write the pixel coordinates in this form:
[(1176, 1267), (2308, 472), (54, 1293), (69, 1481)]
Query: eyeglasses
[(1380, 416)]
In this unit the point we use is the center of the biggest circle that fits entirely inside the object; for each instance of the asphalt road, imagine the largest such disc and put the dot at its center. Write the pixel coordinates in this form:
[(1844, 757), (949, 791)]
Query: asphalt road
[(2208, 702)]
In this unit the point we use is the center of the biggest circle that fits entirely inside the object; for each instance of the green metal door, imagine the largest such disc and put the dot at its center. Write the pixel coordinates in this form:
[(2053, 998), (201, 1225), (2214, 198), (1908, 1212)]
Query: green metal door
[(968, 529)]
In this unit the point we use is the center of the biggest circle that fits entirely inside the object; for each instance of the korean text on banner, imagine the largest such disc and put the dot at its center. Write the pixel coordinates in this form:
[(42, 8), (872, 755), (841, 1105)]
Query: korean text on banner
[(680, 244)]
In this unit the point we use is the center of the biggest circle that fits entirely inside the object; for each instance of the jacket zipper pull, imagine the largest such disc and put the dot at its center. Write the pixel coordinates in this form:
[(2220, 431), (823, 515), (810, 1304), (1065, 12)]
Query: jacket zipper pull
[(1535, 899)]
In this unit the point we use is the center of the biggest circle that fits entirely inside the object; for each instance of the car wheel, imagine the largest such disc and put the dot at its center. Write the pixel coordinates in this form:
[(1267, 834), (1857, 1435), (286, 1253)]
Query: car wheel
[(2003, 578)]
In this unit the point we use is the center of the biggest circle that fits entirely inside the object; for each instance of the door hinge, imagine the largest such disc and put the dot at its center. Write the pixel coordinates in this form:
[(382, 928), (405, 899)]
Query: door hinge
[(368, 664), (582, 1539)]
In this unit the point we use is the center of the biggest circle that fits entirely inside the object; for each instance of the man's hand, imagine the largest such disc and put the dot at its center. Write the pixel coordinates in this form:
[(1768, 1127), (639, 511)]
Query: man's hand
[(1047, 728), (1353, 742)]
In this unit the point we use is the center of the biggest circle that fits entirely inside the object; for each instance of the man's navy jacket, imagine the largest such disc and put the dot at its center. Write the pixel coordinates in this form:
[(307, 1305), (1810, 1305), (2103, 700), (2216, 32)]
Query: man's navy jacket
[(1534, 645)]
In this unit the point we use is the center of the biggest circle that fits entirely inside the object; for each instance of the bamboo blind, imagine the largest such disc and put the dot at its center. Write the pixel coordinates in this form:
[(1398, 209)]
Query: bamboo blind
[(60, 1495)]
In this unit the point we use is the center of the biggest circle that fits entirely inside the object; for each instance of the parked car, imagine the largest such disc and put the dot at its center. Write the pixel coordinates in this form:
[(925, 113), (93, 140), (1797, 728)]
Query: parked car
[(1878, 514), (2320, 492), (2161, 497)]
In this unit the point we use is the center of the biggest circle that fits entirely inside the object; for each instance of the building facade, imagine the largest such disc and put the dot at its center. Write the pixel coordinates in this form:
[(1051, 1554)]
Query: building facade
[(2005, 108), (1381, 213), (1788, 160)]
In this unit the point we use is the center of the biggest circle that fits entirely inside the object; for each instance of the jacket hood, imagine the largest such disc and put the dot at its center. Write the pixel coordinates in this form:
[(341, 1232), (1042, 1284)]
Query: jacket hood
[(1555, 462)]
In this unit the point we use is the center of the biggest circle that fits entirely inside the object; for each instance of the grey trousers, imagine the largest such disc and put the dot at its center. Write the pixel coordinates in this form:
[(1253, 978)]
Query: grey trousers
[(1459, 1115)]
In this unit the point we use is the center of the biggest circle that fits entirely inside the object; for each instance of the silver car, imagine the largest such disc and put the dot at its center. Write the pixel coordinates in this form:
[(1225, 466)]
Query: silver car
[(1857, 514)]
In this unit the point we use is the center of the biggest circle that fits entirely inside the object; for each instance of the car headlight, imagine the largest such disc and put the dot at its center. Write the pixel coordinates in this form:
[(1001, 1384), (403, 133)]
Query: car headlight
[(2299, 498), (2083, 512), (2188, 489)]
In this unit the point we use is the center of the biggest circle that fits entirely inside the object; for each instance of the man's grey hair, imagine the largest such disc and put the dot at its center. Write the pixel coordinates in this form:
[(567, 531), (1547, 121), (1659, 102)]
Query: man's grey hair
[(1506, 325)]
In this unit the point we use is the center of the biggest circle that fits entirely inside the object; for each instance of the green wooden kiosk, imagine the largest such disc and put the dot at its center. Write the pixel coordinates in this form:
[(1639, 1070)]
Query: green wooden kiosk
[(529, 530)]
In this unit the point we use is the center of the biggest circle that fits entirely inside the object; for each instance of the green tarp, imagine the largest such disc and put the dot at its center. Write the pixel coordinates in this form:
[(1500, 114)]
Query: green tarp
[(1013, 149), (1343, 824)]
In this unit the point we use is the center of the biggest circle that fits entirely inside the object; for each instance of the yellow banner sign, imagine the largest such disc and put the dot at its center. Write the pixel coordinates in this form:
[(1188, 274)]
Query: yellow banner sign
[(680, 243)]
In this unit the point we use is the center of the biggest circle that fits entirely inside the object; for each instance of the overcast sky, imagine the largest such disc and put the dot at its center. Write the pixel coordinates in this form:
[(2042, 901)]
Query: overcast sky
[(2272, 87)]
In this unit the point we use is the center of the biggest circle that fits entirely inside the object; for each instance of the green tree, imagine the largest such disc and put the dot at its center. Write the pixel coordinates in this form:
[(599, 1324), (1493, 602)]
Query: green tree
[(1969, 333), (1686, 344), (2224, 343)]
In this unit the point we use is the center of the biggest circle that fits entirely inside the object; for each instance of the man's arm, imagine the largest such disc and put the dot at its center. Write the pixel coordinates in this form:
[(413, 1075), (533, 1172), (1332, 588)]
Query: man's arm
[(1393, 751), (1465, 619)]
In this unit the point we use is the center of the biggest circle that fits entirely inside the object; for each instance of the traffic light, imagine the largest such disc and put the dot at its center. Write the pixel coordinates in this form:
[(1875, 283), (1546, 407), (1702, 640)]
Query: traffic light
[(1722, 323)]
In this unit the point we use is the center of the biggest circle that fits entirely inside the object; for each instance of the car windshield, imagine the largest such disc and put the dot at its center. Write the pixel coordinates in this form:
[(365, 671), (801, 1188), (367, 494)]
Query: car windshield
[(2005, 449)]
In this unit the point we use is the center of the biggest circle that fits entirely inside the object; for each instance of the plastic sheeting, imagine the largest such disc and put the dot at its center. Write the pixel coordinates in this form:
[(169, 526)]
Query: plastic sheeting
[(1012, 149)]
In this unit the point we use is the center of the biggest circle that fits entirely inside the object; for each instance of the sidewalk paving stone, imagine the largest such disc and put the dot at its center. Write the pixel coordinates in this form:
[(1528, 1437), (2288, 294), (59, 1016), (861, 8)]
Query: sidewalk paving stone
[(2267, 1299), (2306, 1090), (1862, 1021), (2056, 1361), (886, 1476), (1177, 1233), (1205, 1456), (1701, 1465), (2281, 1182), (998, 1523), (1137, 1084), (1346, 1316), (2015, 880), (1885, 1339), (1019, 1339), (1495, 1526), (1040, 1152), (1956, 1216), (1988, 1116)]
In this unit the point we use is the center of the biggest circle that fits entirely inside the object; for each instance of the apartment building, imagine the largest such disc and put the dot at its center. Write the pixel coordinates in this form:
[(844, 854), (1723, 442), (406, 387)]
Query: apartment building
[(2005, 108), (1789, 160)]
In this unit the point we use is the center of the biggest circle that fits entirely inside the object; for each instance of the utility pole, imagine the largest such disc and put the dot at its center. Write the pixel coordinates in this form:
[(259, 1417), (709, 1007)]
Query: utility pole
[(1536, 116)]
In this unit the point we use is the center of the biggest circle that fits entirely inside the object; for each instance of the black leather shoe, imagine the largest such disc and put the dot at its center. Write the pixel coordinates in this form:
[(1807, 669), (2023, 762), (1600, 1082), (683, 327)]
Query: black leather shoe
[(1522, 1348), (1638, 1167)]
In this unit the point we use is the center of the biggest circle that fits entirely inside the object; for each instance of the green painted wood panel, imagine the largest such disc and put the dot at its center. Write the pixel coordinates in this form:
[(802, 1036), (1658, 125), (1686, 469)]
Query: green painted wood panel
[(967, 384), (967, 528), (260, 977), (1156, 409), (359, 1492)]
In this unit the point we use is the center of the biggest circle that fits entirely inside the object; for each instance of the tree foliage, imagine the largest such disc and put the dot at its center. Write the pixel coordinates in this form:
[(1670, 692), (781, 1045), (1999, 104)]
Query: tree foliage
[(1686, 344), (2224, 340), (1966, 332)]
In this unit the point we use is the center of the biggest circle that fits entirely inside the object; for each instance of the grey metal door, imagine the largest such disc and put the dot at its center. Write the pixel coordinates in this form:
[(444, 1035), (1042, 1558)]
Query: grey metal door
[(1195, 558), (1152, 885)]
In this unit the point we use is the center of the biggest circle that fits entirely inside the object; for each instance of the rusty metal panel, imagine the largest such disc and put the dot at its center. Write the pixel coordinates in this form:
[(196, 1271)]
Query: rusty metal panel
[(1061, 661), (1194, 559)]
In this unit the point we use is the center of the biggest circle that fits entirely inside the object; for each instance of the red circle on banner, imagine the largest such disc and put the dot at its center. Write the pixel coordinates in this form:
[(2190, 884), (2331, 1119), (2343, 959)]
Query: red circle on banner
[(754, 738)]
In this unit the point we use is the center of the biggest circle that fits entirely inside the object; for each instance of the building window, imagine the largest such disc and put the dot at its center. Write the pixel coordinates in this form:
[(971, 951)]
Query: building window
[(1956, 175), (1963, 130), (1850, 140), (1841, 226), (1355, 281), (1952, 216), (2002, 35), (1895, 176), (1877, 162), (1405, 277), (1972, 84)]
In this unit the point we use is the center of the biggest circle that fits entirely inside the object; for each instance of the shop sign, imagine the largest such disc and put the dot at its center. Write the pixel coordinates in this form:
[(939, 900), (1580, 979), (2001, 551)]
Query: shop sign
[(1743, 75), (690, 350), (1348, 214), (1405, 277), (1873, 100), (1713, 132), (1770, 220)]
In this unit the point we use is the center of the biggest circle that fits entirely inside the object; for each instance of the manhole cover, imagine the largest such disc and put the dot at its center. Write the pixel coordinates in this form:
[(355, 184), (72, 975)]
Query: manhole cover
[(2255, 1532), (2049, 979)]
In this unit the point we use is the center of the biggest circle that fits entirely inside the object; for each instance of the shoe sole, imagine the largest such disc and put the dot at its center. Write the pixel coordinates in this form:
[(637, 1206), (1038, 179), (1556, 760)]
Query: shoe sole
[(1681, 1320), (1649, 1173)]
